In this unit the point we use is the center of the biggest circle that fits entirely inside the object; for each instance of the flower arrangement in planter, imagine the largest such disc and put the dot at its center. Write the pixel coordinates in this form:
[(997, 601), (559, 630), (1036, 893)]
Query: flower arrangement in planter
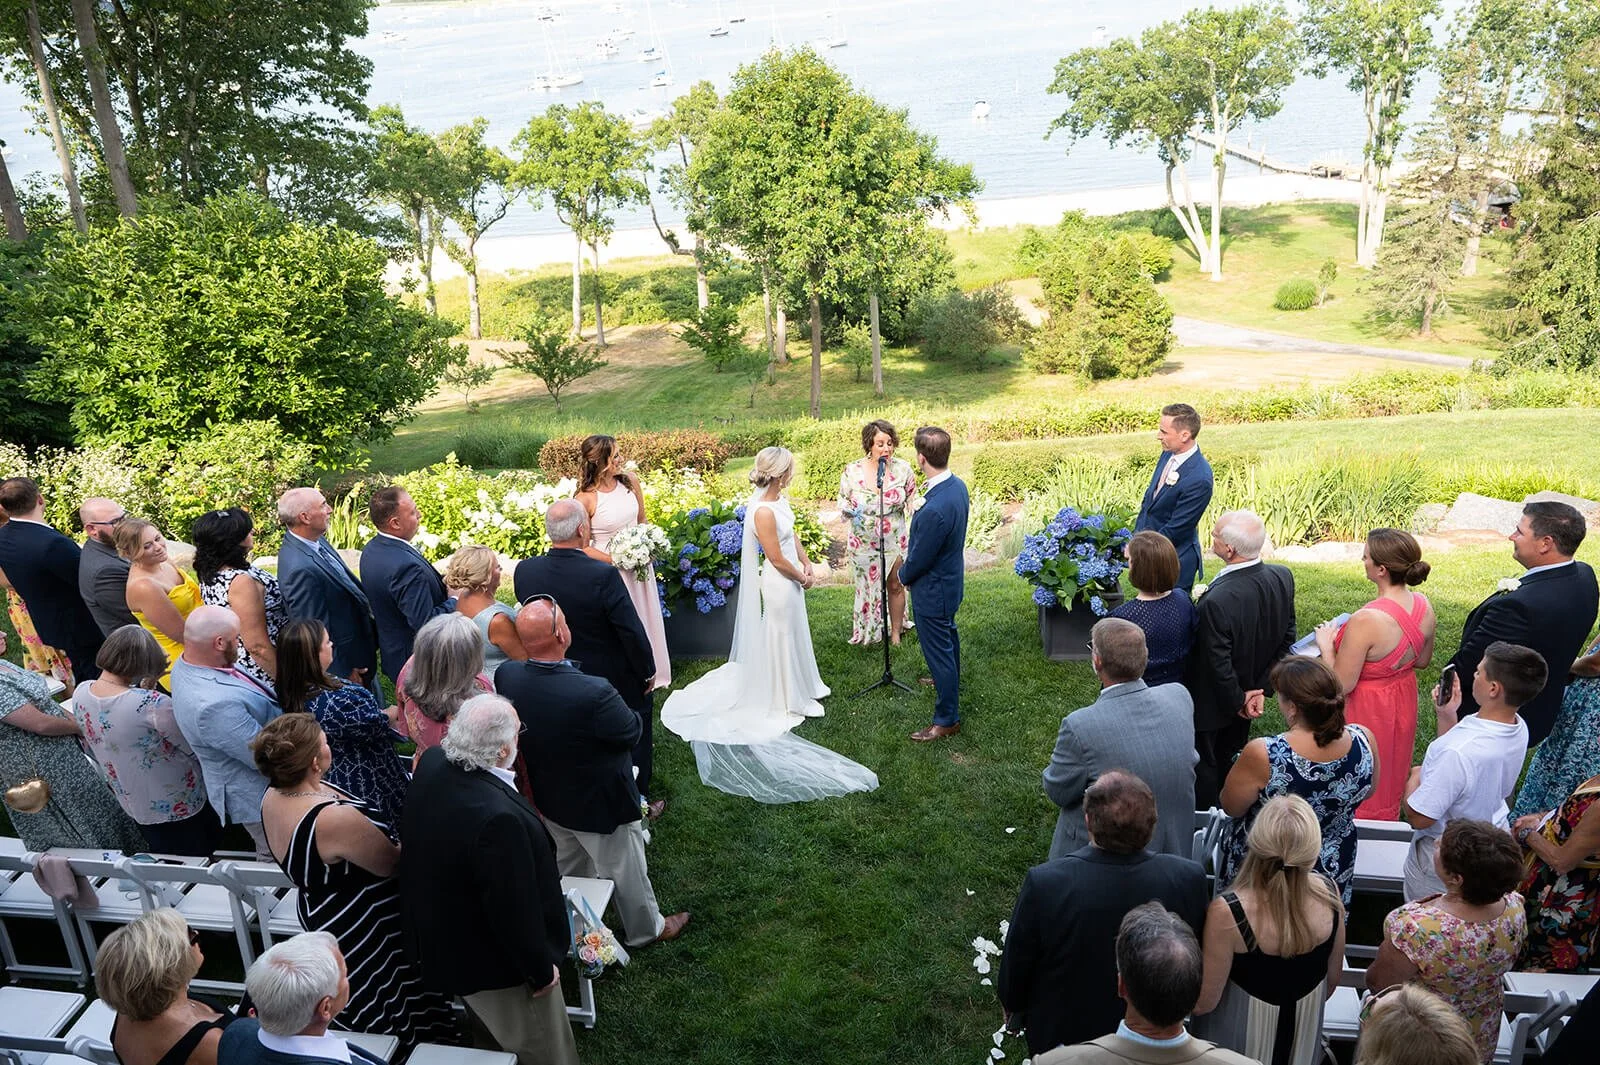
[(1077, 558), (703, 563)]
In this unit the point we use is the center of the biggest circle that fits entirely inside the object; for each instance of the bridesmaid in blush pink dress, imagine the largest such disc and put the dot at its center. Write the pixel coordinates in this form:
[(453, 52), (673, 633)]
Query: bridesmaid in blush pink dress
[(615, 501)]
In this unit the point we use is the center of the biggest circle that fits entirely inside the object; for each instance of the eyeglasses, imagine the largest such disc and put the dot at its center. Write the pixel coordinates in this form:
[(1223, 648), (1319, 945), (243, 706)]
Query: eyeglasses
[(113, 522), (555, 608), (194, 938), (1373, 999)]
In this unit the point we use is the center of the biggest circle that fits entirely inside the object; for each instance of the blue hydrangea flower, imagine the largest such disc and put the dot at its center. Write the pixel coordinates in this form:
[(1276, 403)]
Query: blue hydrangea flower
[(664, 611), (1044, 597), (734, 566), (701, 585), (1098, 605), (702, 604), (1095, 521), (685, 564), (698, 512), (1057, 529), (716, 598), (686, 549), (1028, 563), (738, 512), (724, 583), (727, 537), (687, 581)]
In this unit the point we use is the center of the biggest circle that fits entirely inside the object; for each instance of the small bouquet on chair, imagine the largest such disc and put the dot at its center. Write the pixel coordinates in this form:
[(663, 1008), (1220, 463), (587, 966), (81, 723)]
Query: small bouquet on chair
[(593, 945), (635, 548)]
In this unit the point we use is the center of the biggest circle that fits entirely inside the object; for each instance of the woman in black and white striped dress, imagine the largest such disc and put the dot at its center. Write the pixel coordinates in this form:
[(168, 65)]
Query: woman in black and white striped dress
[(343, 860)]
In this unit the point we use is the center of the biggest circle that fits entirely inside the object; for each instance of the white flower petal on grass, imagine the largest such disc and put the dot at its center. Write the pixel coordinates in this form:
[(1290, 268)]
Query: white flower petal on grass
[(999, 1035), (1005, 929), (970, 893), (986, 982), (985, 946), (1010, 830), (981, 964), (997, 1053)]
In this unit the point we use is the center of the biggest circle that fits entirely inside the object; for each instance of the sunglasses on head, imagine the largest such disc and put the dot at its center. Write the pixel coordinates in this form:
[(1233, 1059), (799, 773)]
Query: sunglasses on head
[(555, 608), (1372, 1000)]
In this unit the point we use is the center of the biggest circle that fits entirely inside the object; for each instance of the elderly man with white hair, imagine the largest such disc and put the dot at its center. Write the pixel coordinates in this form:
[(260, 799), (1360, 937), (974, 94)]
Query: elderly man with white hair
[(219, 710), (297, 988), (317, 584), (1246, 625), (480, 897)]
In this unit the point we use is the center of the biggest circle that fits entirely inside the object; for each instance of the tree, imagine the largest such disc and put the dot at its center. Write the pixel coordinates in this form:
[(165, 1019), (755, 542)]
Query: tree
[(1382, 46), (24, 419), (812, 178), (1327, 273), (1211, 67), (228, 311), (1567, 300), (588, 162), (407, 173), (682, 130), (715, 333), (1106, 317), (105, 114), (10, 210), (466, 376), (477, 192), (551, 356), (52, 112)]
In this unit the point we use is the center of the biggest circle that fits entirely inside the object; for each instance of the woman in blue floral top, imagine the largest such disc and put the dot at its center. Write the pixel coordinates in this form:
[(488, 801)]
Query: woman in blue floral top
[(1331, 765), (360, 732)]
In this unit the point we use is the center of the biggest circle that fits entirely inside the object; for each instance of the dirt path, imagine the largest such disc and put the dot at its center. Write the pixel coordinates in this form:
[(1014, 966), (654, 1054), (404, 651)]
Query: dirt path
[(1194, 333)]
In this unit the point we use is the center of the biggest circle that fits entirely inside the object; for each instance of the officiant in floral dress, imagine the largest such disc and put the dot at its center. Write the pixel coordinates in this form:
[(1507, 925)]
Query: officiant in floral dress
[(859, 503)]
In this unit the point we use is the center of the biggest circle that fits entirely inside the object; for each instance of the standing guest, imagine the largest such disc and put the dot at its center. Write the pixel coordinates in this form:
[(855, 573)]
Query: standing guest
[(222, 543), (495, 930), (1561, 881), (102, 573), (1572, 751), (1376, 655), (1058, 973), (35, 655), (219, 711), (142, 971), (130, 729), (1147, 731), (160, 594), (1550, 609), (1246, 625), (1179, 490), (403, 587), (1159, 977), (298, 990), (608, 640), (614, 500), (1162, 609), (1329, 764), (1407, 1025), (343, 858), (53, 795), (1460, 944), (475, 573), (42, 565), (1471, 769), (317, 584), (445, 670), (1274, 943), (577, 735), (360, 732), (878, 483), (934, 568)]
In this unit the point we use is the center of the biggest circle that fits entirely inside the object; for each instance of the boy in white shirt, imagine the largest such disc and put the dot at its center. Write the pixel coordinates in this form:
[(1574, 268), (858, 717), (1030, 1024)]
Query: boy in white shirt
[(1471, 769)]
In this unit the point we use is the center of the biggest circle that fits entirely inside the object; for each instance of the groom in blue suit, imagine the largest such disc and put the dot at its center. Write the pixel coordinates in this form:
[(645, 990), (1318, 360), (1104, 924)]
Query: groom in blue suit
[(1179, 491), (934, 570)]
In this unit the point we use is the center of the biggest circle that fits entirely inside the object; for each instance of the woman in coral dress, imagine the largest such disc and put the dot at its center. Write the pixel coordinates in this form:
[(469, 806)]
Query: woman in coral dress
[(615, 501), (1376, 655)]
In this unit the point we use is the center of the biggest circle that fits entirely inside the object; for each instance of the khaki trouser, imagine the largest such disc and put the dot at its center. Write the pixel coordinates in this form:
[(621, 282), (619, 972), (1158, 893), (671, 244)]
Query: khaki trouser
[(617, 856), (533, 1027)]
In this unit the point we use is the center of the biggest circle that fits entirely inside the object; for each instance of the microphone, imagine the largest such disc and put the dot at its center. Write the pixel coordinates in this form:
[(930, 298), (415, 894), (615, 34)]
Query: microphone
[(883, 462)]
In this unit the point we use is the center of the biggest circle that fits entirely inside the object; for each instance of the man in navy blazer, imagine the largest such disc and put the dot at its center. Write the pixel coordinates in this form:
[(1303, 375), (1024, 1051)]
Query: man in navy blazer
[(297, 988), (934, 570), (42, 565), (402, 586), (317, 584), (1551, 609), (1179, 491)]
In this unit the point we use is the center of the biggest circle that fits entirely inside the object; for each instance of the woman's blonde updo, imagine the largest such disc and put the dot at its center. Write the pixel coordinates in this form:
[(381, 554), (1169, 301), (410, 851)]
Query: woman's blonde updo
[(773, 466), (471, 567)]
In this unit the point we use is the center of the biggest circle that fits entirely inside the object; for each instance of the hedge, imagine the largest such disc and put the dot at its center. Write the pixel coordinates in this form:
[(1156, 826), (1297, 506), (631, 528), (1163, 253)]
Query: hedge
[(693, 449)]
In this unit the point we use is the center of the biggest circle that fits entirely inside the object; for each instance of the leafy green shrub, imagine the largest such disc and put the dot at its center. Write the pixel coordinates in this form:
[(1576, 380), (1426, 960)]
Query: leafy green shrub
[(460, 506), (1326, 275), (748, 439), (1304, 500), (67, 476), (984, 519), (551, 355), (500, 445), (1106, 317), (243, 464), (821, 463), (687, 448), (858, 348), (1296, 295), (1087, 485), (716, 333), (952, 325)]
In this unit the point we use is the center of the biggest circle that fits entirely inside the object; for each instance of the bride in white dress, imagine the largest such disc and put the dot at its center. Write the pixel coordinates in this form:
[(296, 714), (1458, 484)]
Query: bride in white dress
[(738, 716)]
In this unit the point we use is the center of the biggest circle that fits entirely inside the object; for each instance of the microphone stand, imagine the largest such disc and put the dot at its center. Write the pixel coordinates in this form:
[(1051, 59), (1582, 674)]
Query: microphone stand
[(887, 680)]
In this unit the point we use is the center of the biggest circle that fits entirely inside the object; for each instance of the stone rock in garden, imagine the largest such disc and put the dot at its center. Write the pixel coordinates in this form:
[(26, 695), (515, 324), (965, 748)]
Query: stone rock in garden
[(1327, 551), (180, 554), (1472, 511), (1428, 517), (1587, 507), (973, 560)]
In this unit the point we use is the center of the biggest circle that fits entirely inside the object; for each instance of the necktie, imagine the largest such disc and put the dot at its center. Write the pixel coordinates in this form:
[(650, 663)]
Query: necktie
[(1166, 469), (248, 680)]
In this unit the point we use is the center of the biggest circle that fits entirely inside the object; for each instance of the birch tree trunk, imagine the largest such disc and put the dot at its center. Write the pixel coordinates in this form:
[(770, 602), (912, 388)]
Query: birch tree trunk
[(816, 346), (577, 284), (52, 114), (877, 346), (599, 324), (474, 318), (16, 228), (702, 283), (783, 334), (105, 116), (766, 314)]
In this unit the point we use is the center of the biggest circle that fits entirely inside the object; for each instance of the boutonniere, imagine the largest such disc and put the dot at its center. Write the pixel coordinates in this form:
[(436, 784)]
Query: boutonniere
[(1508, 584), (1172, 478), (916, 504), (1199, 590)]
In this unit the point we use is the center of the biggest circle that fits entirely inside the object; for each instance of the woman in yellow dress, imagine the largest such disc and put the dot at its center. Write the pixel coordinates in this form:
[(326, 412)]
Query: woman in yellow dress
[(160, 594)]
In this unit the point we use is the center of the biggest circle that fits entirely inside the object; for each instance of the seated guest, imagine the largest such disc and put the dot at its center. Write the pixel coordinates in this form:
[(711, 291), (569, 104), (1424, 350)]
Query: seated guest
[(343, 860), (219, 711), (130, 729), (222, 543), (1161, 609), (1406, 1025), (1459, 944), (1058, 977), (143, 971), (402, 586), (1471, 769), (60, 800), (1274, 943), (1561, 881), (360, 732), (493, 931), (160, 594), (1147, 731), (444, 671), (576, 742), (1327, 763), (298, 989), (102, 573), (1158, 976), (317, 584), (475, 572)]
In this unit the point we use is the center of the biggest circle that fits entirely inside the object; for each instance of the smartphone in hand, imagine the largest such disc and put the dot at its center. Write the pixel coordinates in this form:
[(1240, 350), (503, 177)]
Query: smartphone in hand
[(1447, 684)]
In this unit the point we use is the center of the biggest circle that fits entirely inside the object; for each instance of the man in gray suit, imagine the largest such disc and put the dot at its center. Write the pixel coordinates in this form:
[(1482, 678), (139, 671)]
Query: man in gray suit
[(102, 573), (1147, 731)]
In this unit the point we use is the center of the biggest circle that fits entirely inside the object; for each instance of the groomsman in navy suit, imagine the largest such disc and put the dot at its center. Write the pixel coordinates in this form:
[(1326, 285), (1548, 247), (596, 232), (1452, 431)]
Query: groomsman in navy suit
[(317, 584), (42, 565), (934, 571), (1180, 490), (402, 586)]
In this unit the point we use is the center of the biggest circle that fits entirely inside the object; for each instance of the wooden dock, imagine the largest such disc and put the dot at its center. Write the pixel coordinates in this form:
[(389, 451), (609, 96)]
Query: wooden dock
[(1265, 162)]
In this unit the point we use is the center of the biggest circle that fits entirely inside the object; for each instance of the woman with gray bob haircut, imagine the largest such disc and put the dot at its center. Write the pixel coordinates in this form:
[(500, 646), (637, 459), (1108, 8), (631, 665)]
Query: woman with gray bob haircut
[(445, 670), (483, 734), (289, 982)]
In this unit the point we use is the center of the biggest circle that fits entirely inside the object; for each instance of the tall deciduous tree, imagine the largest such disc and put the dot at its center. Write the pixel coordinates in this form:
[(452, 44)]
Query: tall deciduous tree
[(1212, 69), (407, 173), (16, 228), (588, 162), (105, 112), (19, 21), (680, 133), (1381, 46), (478, 191)]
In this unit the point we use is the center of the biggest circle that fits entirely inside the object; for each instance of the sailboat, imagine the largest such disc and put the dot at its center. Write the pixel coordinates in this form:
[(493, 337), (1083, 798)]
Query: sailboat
[(656, 53), (833, 36), (650, 55), (719, 30), (559, 75), (662, 80)]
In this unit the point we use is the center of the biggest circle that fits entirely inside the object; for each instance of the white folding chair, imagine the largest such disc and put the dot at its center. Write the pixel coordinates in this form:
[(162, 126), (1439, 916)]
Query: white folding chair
[(90, 1032), (263, 891), (207, 904), (1381, 865), (22, 898), (597, 894), (436, 1054), (118, 897), (94, 1051), (382, 1046), (31, 1020)]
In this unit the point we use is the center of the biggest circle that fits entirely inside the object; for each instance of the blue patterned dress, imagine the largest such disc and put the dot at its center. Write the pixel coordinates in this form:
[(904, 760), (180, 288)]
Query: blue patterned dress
[(362, 741), (1334, 790), (1571, 753)]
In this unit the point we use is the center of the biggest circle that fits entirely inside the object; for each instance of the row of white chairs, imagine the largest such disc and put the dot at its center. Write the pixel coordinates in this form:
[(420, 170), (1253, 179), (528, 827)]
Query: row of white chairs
[(1381, 848)]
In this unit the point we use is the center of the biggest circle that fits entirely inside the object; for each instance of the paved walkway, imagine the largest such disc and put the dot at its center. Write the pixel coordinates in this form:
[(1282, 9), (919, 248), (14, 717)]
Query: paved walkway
[(1195, 333)]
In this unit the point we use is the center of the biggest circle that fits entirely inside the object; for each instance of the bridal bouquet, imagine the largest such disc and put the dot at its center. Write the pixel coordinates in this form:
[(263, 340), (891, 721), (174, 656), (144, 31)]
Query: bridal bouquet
[(1076, 558), (637, 547)]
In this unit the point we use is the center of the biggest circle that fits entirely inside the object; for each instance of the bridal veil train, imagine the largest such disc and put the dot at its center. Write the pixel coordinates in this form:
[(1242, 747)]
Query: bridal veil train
[(738, 717)]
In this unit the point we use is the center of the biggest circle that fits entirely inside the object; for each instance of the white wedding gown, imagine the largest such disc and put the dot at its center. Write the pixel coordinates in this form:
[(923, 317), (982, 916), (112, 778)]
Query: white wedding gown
[(738, 716)]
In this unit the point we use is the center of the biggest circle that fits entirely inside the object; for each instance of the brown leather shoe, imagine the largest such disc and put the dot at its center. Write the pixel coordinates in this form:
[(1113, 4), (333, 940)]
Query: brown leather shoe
[(656, 809), (925, 680), (936, 732), (673, 928)]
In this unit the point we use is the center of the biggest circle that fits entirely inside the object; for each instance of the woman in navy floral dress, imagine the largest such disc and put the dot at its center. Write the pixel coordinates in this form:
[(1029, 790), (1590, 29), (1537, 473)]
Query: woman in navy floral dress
[(360, 732)]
